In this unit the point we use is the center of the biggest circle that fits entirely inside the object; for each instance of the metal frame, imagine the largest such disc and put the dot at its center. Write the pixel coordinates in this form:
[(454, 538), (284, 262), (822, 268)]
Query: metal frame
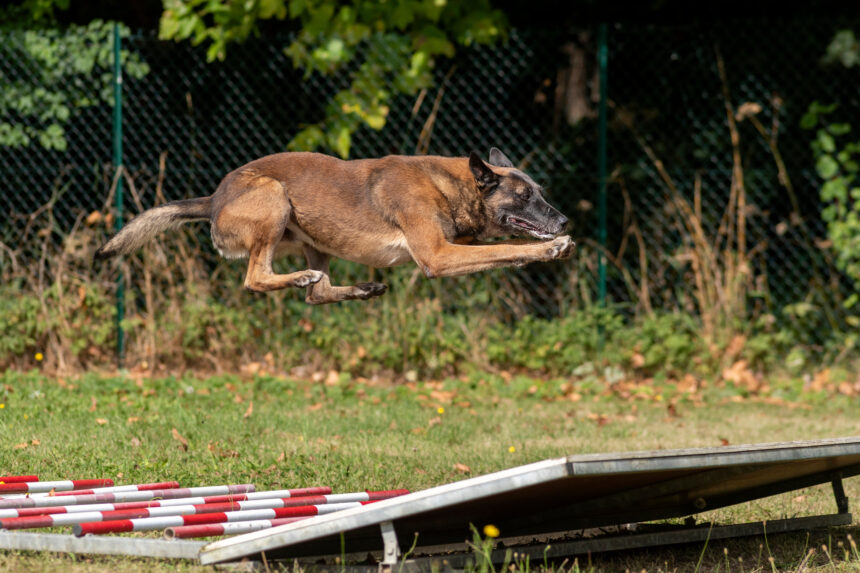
[(101, 545)]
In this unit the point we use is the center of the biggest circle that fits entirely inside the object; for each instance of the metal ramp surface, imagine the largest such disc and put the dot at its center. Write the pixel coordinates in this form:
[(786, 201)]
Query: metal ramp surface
[(573, 493)]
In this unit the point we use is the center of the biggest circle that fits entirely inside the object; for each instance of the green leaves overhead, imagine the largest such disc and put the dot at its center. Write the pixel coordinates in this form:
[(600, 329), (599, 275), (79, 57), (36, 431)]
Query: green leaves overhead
[(396, 41), (35, 106), (837, 161)]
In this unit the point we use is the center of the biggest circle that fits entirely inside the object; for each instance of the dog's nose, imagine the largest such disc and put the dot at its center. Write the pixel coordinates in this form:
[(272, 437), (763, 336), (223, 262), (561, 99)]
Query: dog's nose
[(562, 223)]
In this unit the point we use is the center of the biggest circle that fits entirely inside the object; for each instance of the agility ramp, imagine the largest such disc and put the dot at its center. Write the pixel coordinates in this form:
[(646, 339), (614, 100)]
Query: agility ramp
[(568, 496), (577, 504)]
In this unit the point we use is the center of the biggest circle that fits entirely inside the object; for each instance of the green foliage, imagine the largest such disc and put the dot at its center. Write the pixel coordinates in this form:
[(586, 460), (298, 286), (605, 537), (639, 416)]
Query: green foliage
[(396, 42), (19, 321), (837, 161), (82, 322), (32, 13), (60, 65), (844, 49)]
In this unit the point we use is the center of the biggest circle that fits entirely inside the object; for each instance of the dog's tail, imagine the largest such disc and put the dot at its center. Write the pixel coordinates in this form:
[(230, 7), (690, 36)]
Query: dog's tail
[(145, 226)]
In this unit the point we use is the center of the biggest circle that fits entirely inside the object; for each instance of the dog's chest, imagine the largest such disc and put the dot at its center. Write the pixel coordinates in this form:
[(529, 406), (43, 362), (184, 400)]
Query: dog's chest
[(393, 252)]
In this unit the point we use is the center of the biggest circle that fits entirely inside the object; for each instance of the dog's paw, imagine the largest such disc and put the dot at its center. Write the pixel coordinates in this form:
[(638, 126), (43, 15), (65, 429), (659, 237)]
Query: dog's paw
[(561, 247), (370, 290), (308, 278)]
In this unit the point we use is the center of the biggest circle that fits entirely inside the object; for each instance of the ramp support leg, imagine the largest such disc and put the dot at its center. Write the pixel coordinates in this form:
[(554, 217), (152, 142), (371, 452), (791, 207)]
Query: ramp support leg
[(391, 549), (839, 492)]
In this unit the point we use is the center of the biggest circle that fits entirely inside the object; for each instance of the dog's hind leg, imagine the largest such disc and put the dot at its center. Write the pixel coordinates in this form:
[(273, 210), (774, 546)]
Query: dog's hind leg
[(255, 222), (322, 292)]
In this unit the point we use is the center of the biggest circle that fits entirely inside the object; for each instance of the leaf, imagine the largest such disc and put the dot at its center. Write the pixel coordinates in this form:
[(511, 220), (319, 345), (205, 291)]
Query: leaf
[(462, 468), (135, 442), (183, 443), (342, 142), (249, 411), (93, 403), (826, 141), (101, 421), (826, 166)]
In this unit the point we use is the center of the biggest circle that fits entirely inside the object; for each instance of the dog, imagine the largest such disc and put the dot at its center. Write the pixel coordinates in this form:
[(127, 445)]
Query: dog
[(436, 211)]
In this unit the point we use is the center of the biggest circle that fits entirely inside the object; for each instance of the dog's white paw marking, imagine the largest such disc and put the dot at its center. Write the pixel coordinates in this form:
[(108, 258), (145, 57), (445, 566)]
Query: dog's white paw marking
[(370, 290), (310, 277), (561, 247)]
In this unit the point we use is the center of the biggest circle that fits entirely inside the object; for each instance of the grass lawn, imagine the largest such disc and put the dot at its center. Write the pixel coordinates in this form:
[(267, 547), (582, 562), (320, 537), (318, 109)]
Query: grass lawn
[(357, 434)]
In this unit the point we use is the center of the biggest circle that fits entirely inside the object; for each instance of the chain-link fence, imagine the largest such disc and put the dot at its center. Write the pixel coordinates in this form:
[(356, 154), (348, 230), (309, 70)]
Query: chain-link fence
[(710, 200)]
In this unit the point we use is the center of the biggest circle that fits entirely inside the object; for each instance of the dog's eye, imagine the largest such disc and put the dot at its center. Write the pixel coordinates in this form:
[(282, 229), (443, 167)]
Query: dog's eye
[(526, 194)]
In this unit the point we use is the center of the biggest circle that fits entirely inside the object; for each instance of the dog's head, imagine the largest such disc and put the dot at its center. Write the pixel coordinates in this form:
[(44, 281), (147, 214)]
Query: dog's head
[(513, 200)]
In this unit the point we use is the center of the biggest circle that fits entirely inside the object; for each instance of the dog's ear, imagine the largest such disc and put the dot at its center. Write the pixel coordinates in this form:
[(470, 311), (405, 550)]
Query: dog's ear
[(499, 159), (485, 177)]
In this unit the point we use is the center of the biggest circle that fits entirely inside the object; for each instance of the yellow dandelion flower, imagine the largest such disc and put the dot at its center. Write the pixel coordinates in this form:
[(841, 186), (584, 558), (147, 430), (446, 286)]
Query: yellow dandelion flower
[(440, 410), (39, 357), (491, 530), (2, 406), (512, 449)]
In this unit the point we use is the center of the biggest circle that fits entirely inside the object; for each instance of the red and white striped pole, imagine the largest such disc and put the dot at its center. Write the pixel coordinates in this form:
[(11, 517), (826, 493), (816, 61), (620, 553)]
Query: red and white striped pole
[(118, 488), (46, 486), (18, 479), (216, 529), (151, 523), (57, 500), (300, 493), (61, 519)]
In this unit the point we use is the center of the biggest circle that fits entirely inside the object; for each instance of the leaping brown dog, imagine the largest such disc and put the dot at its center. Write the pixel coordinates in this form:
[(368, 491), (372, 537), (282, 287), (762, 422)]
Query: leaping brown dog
[(378, 212)]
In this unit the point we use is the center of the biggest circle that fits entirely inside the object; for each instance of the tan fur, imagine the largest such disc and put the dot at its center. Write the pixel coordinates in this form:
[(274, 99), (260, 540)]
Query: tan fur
[(379, 212)]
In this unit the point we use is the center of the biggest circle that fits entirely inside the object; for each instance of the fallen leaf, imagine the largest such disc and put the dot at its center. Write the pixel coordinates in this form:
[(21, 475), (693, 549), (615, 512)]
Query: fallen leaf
[(724, 442), (740, 375), (687, 384), (269, 358), (462, 468), (332, 378), (133, 419), (820, 380), (93, 403), (315, 407), (21, 446), (35, 442), (135, 442), (238, 399), (101, 421), (442, 395), (434, 421), (281, 457), (183, 443), (735, 347), (93, 218), (249, 411)]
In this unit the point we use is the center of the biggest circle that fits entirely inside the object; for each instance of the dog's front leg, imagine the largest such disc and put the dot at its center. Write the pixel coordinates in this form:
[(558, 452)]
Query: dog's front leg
[(438, 257), (323, 292)]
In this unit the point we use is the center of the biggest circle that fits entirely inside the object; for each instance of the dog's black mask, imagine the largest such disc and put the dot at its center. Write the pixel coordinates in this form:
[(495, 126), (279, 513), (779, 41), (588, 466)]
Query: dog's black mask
[(513, 199)]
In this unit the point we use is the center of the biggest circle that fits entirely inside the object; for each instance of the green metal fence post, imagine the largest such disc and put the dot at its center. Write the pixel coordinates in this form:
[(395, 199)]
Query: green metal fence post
[(117, 162), (602, 63)]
